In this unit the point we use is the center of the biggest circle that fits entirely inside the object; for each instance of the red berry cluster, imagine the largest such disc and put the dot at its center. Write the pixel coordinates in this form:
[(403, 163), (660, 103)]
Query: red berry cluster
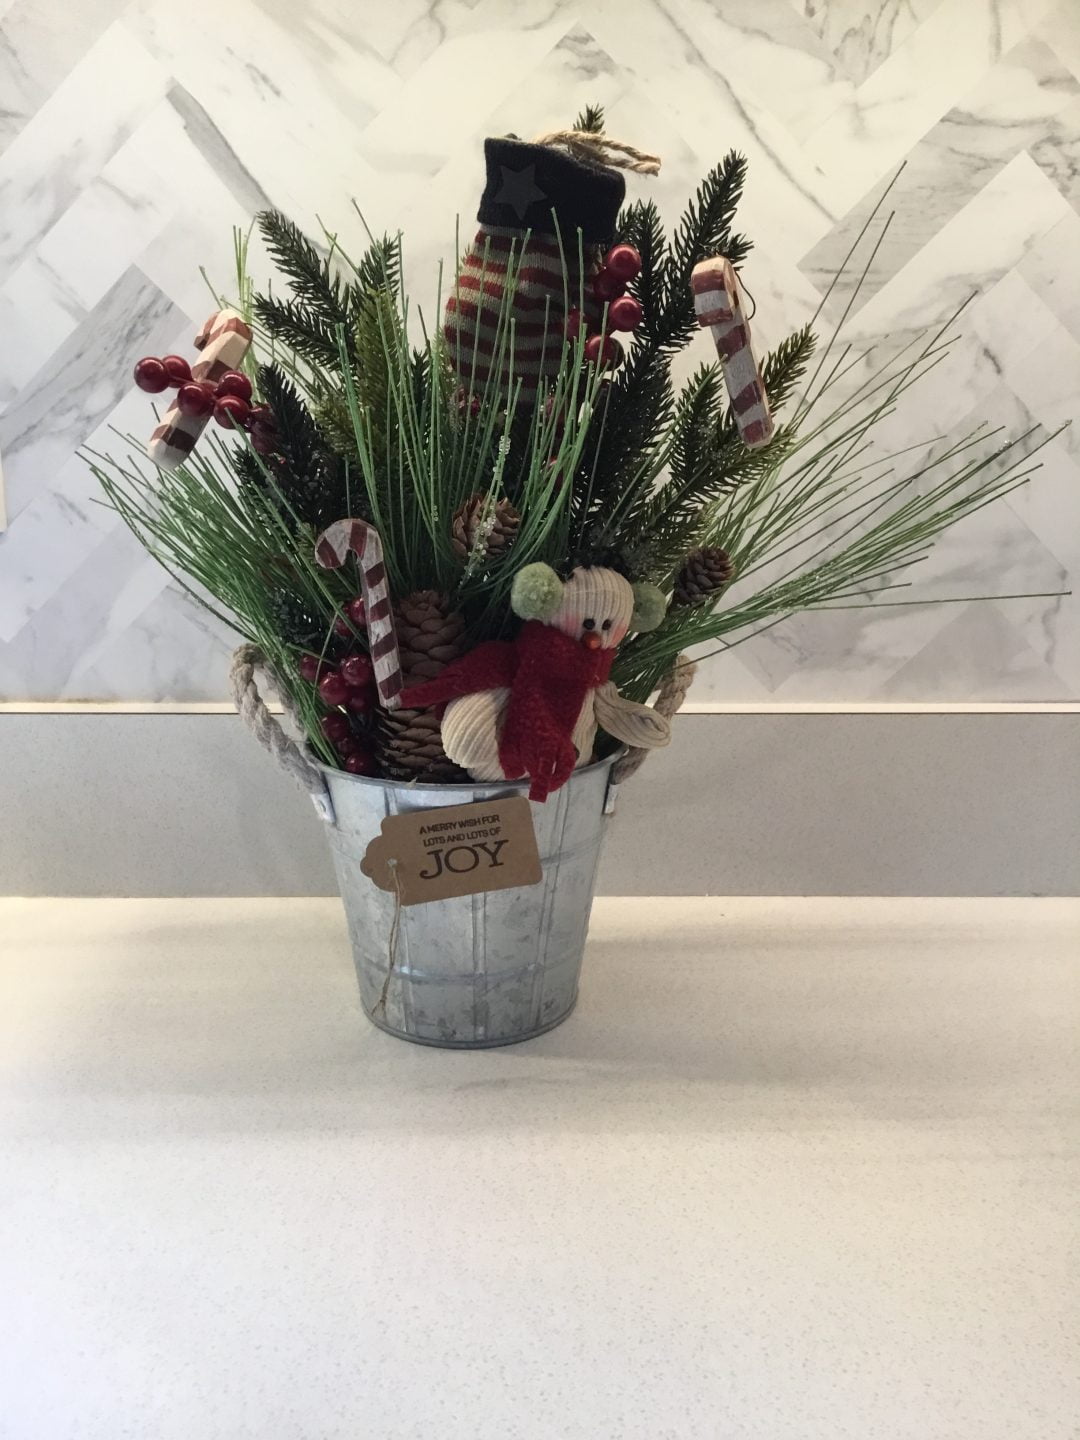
[(348, 687), (621, 264), (228, 398)]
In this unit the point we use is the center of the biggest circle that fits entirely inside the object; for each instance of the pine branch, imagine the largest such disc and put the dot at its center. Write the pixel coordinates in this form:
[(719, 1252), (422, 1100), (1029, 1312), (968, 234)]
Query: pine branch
[(310, 273), (298, 328), (380, 267), (708, 458), (639, 225), (785, 367), (694, 425), (311, 477), (591, 118), (330, 411), (703, 231), (323, 302), (639, 402), (632, 415)]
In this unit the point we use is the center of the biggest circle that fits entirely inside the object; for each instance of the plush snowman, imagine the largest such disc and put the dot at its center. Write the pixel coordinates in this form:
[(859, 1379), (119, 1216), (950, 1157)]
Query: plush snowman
[(532, 706)]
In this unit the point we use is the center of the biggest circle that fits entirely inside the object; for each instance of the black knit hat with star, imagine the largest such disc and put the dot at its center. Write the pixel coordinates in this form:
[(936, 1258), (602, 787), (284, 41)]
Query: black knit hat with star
[(526, 183), (536, 198)]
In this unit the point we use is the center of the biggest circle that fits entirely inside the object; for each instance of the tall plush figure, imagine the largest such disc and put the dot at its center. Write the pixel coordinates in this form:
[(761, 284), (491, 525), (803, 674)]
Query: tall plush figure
[(531, 706)]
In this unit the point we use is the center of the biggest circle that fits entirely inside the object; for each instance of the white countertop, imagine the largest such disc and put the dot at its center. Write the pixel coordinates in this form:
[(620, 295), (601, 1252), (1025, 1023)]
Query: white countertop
[(795, 1168)]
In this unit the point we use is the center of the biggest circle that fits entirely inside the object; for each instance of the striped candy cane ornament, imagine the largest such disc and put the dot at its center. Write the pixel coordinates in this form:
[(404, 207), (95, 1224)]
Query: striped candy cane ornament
[(223, 342), (362, 540), (718, 305)]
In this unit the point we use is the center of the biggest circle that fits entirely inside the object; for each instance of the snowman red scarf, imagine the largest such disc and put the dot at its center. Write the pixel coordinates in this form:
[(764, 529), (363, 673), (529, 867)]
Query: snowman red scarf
[(549, 676)]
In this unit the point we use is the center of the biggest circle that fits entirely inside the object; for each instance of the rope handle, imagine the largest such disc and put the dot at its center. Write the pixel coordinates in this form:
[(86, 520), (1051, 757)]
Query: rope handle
[(668, 702), (589, 145), (247, 662)]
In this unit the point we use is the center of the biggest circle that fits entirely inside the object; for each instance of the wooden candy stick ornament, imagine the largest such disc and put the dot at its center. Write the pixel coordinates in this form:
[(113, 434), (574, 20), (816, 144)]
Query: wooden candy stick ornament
[(718, 305), (361, 539), (223, 342)]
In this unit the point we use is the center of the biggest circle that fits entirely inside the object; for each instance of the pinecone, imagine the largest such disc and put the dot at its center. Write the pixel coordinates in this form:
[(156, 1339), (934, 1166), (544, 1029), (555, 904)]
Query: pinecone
[(497, 524), (704, 574), (408, 742)]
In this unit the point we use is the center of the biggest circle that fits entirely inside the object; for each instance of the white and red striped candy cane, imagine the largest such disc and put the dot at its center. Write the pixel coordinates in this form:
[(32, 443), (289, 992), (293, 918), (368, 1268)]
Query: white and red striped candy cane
[(362, 539), (718, 305), (224, 341)]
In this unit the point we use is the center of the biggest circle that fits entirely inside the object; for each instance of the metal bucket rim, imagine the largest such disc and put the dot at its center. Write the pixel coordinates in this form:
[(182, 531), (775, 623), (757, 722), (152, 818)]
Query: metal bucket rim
[(452, 788)]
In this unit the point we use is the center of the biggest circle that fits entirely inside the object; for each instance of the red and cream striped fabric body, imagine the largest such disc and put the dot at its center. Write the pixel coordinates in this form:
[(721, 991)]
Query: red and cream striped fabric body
[(544, 289), (224, 341), (362, 540), (718, 305)]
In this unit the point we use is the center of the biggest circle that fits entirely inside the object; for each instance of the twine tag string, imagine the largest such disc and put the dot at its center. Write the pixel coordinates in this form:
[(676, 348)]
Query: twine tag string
[(395, 931), (597, 148)]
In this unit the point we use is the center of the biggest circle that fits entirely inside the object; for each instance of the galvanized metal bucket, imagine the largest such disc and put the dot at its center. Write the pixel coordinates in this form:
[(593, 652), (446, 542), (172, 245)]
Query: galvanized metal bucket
[(481, 970)]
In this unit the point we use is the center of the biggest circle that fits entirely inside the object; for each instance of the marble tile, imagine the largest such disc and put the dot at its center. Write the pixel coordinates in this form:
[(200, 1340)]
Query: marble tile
[(41, 41), (81, 385), (130, 147), (1047, 270), (1023, 102), (46, 652), (158, 634), (771, 53), (947, 57), (980, 640), (70, 137), (39, 309), (705, 101), (864, 33), (257, 107), (64, 523), (1060, 28)]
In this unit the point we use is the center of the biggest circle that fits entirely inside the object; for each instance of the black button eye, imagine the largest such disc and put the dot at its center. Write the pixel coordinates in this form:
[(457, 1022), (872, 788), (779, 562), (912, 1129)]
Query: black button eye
[(606, 625), (588, 624)]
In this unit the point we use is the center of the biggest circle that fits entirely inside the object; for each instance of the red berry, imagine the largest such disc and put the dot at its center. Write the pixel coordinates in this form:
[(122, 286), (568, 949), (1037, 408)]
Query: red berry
[(263, 440), (574, 322), (234, 382), (177, 369), (342, 628), (310, 668), (232, 412), (606, 285), (335, 726), (357, 671), (623, 261), (333, 689), (625, 313), (347, 746), (361, 762), (151, 375), (357, 610), (262, 415), (601, 349), (192, 399), (360, 702)]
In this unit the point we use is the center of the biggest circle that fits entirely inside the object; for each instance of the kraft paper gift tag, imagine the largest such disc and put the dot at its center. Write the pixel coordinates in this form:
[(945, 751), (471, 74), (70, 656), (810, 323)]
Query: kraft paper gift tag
[(459, 850)]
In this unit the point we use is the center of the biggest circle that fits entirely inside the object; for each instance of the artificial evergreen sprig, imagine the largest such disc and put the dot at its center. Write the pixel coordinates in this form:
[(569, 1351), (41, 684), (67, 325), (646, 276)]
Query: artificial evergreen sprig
[(591, 118), (323, 301), (639, 402)]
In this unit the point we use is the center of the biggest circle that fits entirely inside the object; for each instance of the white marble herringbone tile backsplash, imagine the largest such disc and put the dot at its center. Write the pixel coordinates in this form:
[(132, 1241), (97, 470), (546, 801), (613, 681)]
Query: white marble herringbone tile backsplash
[(133, 138)]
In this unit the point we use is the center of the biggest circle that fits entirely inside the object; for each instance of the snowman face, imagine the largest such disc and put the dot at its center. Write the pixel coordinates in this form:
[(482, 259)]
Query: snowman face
[(596, 608)]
